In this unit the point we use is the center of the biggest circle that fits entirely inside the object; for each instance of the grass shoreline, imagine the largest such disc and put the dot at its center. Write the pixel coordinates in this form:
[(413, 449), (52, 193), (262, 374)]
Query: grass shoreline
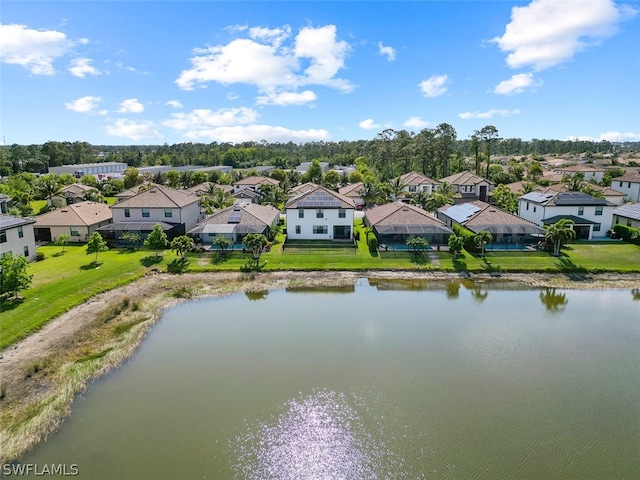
[(43, 377)]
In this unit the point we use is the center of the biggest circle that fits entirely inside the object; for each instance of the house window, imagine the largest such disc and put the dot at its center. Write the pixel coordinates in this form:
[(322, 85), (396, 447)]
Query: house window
[(320, 229), (319, 213), (534, 209), (26, 251), (596, 227), (127, 213), (599, 211), (527, 205), (3, 236), (168, 213), (628, 184), (74, 232), (580, 210), (300, 213), (145, 212), (628, 223), (342, 213), (298, 230), (20, 232), (412, 188)]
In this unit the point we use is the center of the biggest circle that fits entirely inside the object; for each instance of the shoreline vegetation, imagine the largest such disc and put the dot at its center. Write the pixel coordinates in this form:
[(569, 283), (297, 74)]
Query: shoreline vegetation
[(43, 373)]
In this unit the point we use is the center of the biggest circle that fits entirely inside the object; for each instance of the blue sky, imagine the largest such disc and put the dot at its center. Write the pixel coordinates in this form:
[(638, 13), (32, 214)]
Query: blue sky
[(144, 72)]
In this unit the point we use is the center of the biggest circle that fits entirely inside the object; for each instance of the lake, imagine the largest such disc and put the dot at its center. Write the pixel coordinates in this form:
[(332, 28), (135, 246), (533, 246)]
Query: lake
[(387, 379)]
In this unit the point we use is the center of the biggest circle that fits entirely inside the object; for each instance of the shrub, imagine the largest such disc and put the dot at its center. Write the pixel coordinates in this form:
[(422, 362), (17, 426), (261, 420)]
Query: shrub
[(372, 241), (39, 256), (628, 234), (468, 236)]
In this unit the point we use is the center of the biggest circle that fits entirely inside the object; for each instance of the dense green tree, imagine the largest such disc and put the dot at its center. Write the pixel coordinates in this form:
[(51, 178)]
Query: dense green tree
[(559, 233), (13, 274), (481, 239), (182, 244), (503, 198), (417, 244), (456, 244), (131, 239), (131, 177), (96, 244), (222, 243), (256, 243), (331, 179), (49, 186), (63, 240), (156, 240)]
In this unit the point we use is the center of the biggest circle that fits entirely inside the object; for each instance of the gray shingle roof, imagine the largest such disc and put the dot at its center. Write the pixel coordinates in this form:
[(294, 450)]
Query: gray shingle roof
[(629, 210), (9, 221)]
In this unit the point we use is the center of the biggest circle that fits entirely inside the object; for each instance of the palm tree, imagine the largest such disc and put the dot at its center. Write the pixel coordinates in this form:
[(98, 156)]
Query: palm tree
[(370, 194), (552, 300), (396, 187), (49, 186), (481, 239), (436, 200), (255, 242), (560, 232)]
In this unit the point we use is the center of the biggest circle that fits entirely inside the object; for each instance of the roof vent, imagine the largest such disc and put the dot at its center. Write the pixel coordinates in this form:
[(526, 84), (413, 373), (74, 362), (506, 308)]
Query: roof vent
[(405, 209)]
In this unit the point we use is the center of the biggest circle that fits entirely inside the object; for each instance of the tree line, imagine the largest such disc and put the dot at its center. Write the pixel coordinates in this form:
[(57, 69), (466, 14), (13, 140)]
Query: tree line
[(433, 151)]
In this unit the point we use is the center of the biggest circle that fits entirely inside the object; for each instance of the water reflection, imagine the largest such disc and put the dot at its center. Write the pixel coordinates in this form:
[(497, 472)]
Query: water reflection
[(259, 295), (319, 436), (636, 293), (453, 289), (553, 301)]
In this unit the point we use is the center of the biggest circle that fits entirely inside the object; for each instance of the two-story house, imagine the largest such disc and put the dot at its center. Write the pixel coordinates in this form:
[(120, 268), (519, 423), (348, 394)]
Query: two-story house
[(628, 184), (320, 214), (589, 173), (253, 183), (17, 236), (591, 216), (176, 211), (416, 182), (469, 187)]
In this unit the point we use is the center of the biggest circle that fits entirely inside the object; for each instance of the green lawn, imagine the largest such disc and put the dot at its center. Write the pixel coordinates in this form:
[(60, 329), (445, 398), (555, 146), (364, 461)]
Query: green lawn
[(62, 281)]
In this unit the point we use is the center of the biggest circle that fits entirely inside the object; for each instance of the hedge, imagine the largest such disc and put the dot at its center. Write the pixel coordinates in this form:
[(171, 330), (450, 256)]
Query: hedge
[(467, 235), (628, 234)]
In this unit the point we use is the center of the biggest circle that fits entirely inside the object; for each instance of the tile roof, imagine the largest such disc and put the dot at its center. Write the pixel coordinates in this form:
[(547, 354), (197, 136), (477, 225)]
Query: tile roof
[(245, 213), (579, 168), (204, 187), (83, 213), (320, 197), (76, 189), (257, 180), (478, 216), (628, 210), (351, 190), (629, 177), (415, 178), (464, 178), (399, 213), (9, 221), (159, 197)]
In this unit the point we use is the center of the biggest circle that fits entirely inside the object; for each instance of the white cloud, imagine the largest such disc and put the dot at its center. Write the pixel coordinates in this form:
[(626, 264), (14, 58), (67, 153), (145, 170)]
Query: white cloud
[(416, 122), (262, 61), (133, 130), (84, 104), (620, 136), (203, 119), (434, 86), (287, 98), (517, 84), (549, 32), (35, 50), (388, 52), (368, 124), (131, 105), (489, 114), (174, 103), (81, 67)]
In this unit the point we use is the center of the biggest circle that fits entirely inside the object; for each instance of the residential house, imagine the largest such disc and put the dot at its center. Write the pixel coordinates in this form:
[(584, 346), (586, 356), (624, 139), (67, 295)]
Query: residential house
[(589, 173), (17, 236), (628, 184), (204, 187), (508, 230), (300, 189), (237, 221), (304, 166), (591, 216), (627, 214), (609, 194), (394, 222), (74, 193), (352, 191), (78, 220), (469, 187), (246, 195), (6, 202), (176, 211), (320, 214), (416, 182), (254, 183)]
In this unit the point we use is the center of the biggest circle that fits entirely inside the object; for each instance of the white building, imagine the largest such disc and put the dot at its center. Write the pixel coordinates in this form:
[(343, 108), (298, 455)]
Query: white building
[(628, 214), (17, 236), (100, 170), (416, 182), (589, 173), (592, 216), (320, 214), (629, 185)]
